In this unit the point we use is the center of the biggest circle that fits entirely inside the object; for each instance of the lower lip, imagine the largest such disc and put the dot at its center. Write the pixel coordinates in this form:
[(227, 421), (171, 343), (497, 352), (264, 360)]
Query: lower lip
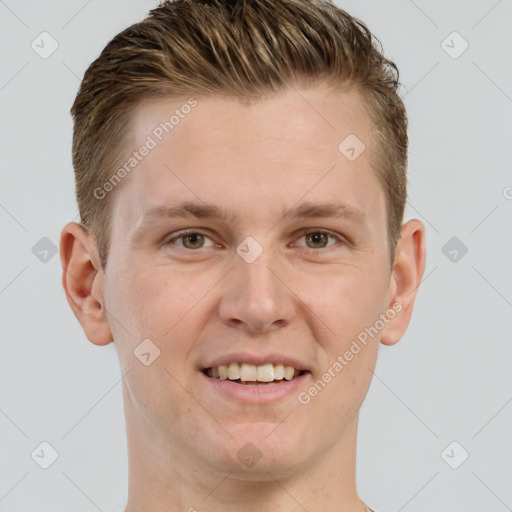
[(256, 393)]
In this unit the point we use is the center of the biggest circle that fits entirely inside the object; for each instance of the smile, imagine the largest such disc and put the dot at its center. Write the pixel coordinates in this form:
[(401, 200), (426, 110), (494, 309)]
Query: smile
[(246, 373)]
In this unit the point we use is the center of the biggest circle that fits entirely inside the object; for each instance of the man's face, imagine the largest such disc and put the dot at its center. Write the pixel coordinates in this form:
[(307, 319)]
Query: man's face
[(260, 286)]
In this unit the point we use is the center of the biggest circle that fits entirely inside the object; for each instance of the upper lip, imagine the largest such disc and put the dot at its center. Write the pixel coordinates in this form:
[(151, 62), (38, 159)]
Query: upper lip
[(256, 359)]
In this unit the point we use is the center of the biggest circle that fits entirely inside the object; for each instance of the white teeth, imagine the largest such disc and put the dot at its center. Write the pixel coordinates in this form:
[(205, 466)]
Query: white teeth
[(278, 371), (251, 373), (265, 373), (223, 371), (248, 372), (233, 371), (289, 372)]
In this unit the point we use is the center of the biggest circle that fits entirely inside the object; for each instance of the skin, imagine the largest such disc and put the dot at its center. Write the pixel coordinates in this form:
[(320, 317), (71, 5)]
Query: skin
[(196, 304)]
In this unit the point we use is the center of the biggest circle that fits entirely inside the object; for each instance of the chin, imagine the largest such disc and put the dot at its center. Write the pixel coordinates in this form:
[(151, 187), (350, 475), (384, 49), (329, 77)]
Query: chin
[(257, 449)]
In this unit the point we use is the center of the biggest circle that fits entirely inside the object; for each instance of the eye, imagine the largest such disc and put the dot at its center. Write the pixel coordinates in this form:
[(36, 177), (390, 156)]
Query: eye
[(190, 240), (318, 239), (315, 240)]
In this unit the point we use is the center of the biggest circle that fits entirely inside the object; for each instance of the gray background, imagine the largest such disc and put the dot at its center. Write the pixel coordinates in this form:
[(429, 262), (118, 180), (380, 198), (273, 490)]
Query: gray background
[(447, 380)]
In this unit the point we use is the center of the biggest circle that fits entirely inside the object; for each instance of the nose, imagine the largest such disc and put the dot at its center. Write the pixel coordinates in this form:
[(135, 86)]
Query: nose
[(256, 297)]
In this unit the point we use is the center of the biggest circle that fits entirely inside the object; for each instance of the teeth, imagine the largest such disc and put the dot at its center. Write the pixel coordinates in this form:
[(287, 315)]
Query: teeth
[(289, 372), (233, 371), (223, 371), (265, 373), (246, 372), (278, 371)]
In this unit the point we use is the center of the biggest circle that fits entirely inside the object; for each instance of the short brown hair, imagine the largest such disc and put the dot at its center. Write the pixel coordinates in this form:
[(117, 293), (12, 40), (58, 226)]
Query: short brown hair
[(236, 48)]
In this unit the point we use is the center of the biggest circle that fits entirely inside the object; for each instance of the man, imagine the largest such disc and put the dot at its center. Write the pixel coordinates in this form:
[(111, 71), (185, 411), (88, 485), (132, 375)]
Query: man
[(241, 179)]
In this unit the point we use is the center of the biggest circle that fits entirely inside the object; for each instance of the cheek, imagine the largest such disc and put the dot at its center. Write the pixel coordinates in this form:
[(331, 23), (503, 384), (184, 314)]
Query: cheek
[(156, 305), (350, 306), (343, 314), (344, 302), (156, 302)]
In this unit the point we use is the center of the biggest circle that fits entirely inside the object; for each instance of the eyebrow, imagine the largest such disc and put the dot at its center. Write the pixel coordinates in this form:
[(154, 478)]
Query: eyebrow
[(305, 210)]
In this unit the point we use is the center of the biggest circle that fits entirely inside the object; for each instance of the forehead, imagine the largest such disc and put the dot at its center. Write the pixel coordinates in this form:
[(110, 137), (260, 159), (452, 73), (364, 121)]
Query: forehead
[(277, 149), (320, 114)]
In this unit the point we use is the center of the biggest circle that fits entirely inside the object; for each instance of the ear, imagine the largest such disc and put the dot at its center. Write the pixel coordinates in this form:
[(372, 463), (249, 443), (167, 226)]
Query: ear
[(82, 280), (406, 274)]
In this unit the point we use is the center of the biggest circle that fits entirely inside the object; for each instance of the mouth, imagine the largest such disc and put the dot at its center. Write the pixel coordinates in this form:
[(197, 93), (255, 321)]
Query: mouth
[(254, 375)]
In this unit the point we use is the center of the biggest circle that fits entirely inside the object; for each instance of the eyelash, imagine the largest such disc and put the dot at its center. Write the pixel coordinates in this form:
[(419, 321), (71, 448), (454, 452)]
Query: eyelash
[(303, 233)]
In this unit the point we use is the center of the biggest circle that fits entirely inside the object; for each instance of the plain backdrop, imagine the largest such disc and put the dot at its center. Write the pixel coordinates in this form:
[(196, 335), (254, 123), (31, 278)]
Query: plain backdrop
[(435, 427)]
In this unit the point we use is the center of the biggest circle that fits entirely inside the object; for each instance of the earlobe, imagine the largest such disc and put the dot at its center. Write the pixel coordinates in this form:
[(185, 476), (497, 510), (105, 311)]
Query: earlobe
[(82, 282), (406, 276)]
